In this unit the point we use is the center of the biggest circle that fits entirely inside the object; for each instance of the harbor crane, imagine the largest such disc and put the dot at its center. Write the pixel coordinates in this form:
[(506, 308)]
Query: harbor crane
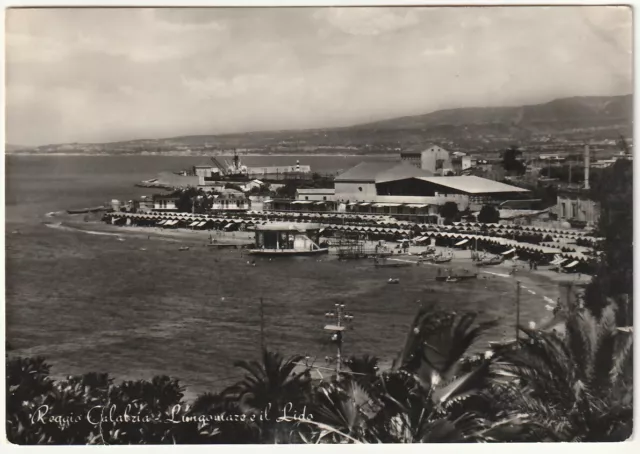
[(223, 171)]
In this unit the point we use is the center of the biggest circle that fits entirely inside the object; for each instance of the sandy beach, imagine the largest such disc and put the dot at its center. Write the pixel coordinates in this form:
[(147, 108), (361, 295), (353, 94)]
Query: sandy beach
[(543, 281)]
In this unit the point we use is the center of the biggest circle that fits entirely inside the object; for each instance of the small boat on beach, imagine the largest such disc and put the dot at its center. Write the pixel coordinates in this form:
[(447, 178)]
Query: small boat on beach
[(443, 258), (389, 264), (496, 260), (456, 277), (392, 265), (451, 276)]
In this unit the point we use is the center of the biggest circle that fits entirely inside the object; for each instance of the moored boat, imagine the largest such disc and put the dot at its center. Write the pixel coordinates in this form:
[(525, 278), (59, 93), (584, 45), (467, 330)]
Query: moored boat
[(443, 258), (452, 276), (386, 264), (496, 260), (457, 277)]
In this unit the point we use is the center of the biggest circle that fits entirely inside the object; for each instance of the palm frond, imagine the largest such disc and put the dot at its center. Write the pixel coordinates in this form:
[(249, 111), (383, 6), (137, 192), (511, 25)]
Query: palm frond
[(463, 386)]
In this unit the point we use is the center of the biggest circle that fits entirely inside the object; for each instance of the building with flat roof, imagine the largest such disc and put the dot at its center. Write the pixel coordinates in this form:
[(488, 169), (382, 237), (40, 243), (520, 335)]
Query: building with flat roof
[(577, 208), (316, 194), (231, 201), (204, 170), (433, 159), (164, 203)]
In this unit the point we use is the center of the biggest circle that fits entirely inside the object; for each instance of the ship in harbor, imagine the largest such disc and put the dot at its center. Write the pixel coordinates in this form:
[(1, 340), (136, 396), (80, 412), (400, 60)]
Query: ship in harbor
[(219, 172), (235, 170)]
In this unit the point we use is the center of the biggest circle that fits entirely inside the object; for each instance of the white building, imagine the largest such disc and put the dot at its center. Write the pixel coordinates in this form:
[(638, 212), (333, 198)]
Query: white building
[(164, 203), (577, 208), (231, 202), (316, 194), (434, 159), (467, 162), (203, 170)]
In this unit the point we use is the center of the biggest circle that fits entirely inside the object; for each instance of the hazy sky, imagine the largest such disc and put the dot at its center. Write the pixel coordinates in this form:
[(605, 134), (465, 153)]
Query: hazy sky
[(96, 75)]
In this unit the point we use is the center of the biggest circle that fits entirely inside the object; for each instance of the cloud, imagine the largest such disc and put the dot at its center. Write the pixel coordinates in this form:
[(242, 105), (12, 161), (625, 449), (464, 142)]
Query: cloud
[(112, 74), (369, 21), (448, 50)]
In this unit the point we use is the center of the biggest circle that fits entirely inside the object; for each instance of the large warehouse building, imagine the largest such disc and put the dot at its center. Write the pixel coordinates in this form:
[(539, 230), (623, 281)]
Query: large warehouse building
[(368, 181), (359, 182), (399, 188)]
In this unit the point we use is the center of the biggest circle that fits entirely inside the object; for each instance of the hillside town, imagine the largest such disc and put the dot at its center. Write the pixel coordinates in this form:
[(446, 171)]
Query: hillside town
[(431, 197), (412, 187)]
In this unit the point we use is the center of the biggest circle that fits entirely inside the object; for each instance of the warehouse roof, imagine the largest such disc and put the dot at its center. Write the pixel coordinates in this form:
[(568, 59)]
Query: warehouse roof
[(472, 184), (381, 171), (365, 171), (402, 170), (317, 191)]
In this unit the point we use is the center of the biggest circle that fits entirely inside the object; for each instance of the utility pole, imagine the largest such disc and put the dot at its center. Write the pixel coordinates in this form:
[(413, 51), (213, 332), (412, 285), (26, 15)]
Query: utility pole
[(475, 255), (341, 318), (569, 300), (262, 344), (570, 168), (517, 311)]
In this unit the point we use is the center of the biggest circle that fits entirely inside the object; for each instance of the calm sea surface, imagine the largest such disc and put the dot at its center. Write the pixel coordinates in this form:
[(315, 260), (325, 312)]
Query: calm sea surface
[(40, 184), (137, 308)]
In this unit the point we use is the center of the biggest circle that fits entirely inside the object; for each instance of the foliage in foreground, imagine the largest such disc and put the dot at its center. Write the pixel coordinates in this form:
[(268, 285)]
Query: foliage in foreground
[(545, 387), (614, 272)]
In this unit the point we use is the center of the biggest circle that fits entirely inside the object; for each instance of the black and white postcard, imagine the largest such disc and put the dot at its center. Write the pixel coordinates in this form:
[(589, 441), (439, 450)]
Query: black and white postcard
[(300, 225)]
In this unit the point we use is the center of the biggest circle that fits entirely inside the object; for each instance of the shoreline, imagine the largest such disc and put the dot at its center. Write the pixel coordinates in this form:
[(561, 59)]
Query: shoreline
[(174, 235), (541, 282), (462, 259), (180, 155)]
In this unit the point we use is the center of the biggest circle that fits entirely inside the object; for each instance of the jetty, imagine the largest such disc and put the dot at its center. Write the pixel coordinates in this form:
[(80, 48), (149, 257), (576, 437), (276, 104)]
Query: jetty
[(288, 239), (229, 245), (87, 210)]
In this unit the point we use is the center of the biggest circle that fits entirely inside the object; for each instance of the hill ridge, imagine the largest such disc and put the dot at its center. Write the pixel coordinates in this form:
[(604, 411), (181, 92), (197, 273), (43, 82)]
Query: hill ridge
[(600, 117)]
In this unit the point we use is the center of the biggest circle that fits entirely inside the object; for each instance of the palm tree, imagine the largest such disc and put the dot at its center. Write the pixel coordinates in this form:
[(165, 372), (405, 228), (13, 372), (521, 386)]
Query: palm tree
[(427, 395), (272, 381), (364, 369), (422, 399), (342, 412), (270, 388), (218, 427), (574, 387)]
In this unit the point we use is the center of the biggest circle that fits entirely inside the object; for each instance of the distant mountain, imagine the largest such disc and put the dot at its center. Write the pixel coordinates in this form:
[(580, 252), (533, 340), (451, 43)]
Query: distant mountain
[(595, 118), (10, 148), (579, 112)]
